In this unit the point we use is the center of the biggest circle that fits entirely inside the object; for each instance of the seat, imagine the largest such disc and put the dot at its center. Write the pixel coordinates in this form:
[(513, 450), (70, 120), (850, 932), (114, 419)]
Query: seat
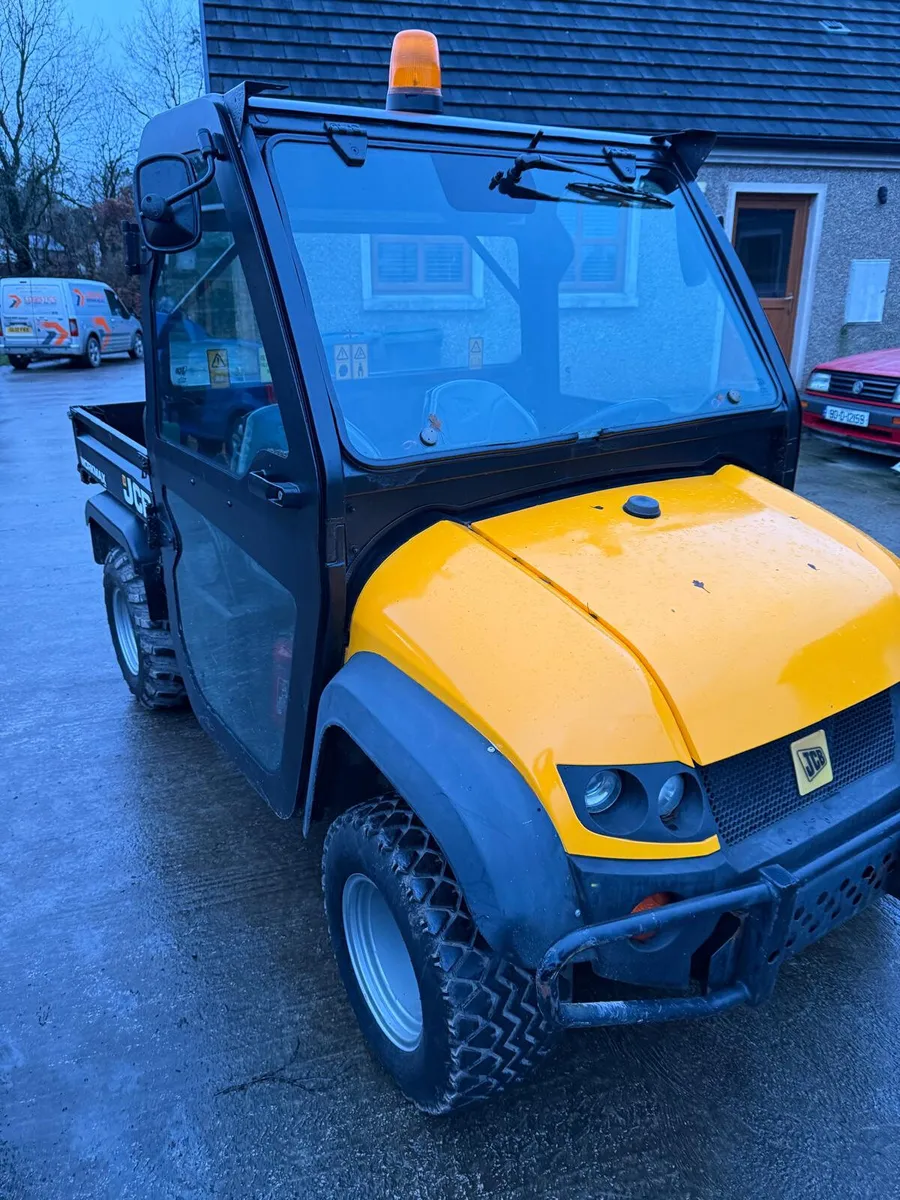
[(476, 412), (263, 430)]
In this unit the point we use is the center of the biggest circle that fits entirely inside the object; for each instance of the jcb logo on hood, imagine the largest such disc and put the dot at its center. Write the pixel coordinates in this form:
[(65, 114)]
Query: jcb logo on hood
[(134, 495), (812, 764)]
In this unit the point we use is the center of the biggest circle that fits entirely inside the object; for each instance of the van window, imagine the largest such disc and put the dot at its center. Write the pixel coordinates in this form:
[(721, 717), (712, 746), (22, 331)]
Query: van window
[(116, 307)]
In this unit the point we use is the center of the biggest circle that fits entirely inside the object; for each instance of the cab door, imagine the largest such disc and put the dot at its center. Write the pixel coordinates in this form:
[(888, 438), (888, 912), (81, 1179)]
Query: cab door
[(235, 483)]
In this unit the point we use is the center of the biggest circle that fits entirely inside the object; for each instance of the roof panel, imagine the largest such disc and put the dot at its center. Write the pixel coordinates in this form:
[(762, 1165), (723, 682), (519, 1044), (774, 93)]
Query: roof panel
[(748, 68)]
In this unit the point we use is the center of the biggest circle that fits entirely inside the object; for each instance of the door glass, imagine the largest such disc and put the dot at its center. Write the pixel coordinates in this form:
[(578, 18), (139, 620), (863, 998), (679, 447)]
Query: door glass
[(237, 626), (763, 238), (215, 389)]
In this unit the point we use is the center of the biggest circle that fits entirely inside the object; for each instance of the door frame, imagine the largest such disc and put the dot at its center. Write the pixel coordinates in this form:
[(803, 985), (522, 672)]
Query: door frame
[(817, 192), (212, 489)]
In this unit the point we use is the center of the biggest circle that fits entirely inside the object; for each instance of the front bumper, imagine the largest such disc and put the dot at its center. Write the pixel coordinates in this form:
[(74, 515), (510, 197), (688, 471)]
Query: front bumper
[(881, 435), (775, 916)]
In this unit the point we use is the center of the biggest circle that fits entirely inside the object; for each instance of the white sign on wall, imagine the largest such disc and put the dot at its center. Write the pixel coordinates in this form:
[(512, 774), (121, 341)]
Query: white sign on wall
[(866, 290)]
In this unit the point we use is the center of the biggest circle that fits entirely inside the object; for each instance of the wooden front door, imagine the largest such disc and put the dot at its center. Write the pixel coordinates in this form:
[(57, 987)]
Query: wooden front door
[(769, 236)]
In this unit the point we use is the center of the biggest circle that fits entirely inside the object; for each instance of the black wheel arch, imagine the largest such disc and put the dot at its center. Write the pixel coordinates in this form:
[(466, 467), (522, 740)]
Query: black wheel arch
[(112, 524), (378, 727)]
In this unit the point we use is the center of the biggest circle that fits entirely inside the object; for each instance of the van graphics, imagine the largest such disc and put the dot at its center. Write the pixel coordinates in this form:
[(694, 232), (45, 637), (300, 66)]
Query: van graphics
[(90, 469), (56, 333), (103, 324), (135, 496), (17, 301), (82, 297)]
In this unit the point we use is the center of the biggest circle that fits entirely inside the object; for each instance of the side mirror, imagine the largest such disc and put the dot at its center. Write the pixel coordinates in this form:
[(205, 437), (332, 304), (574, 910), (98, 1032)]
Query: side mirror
[(168, 203)]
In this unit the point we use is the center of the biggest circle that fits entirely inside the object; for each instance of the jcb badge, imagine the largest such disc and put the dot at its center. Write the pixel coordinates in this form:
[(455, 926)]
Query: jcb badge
[(812, 762)]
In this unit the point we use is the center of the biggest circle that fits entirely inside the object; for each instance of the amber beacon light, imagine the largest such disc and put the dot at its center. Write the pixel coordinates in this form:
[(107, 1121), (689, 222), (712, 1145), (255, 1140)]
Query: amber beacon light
[(415, 77)]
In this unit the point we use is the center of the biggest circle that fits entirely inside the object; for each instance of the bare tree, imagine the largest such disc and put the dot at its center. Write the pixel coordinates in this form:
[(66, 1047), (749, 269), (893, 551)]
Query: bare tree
[(44, 66), (163, 56)]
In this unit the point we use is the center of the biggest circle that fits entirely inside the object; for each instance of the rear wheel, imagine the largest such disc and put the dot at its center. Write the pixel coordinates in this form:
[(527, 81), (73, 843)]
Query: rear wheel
[(136, 350), (19, 362), (92, 355), (452, 1021), (143, 647)]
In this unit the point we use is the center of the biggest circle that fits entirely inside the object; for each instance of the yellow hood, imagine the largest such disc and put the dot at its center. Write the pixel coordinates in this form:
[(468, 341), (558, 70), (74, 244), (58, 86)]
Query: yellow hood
[(756, 612), (571, 633)]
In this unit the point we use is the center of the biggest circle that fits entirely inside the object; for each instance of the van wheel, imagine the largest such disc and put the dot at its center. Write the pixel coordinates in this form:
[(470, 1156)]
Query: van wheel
[(19, 362), (137, 347), (143, 647), (91, 356), (452, 1021)]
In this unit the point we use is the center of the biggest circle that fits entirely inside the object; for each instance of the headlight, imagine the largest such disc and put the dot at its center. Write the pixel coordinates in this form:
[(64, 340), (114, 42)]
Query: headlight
[(671, 795), (897, 395), (602, 791), (819, 381)]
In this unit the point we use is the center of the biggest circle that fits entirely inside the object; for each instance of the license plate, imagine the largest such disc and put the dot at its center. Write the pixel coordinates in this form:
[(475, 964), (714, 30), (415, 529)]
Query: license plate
[(10, 329), (846, 416)]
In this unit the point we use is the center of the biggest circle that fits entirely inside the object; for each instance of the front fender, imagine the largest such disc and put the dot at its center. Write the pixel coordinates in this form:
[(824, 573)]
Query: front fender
[(496, 834)]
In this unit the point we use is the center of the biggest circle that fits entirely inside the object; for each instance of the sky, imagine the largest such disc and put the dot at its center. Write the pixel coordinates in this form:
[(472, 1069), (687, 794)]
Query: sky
[(112, 14)]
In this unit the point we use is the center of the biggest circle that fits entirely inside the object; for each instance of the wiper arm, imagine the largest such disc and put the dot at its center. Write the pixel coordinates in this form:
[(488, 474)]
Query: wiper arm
[(618, 193), (508, 184)]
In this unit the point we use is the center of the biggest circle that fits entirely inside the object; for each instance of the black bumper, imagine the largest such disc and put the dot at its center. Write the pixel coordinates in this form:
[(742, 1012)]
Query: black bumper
[(777, 915)]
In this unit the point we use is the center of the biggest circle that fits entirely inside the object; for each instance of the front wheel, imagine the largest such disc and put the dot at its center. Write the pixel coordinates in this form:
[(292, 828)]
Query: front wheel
[(452, 1021), (143, 646), (136, 350), (19, 362)]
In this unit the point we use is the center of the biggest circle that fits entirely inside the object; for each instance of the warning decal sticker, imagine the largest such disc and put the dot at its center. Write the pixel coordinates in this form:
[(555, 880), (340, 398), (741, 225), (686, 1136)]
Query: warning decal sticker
[(219, 375)]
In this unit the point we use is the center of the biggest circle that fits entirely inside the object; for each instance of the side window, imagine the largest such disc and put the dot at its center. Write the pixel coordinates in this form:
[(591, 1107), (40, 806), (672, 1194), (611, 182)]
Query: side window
[(112, 301), (215, 389)]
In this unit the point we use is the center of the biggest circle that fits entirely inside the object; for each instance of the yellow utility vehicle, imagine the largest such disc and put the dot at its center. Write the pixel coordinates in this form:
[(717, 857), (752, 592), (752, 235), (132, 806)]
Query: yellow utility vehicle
[(461, 511)]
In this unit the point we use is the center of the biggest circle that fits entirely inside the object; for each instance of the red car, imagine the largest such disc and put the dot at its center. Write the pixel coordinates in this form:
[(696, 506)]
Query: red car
[(855, 401)]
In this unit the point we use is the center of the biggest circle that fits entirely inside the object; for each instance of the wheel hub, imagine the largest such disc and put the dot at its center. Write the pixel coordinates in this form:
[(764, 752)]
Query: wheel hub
[(125, 634), (381, 962)]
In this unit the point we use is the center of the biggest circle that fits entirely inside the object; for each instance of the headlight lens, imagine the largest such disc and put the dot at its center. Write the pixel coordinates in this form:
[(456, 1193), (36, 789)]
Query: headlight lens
[(671, 795), (819, 381), (602, 791)]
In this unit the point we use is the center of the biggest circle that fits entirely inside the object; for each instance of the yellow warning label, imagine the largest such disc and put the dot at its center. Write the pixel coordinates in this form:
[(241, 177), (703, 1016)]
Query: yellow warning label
[(476, 353), (219, 375)]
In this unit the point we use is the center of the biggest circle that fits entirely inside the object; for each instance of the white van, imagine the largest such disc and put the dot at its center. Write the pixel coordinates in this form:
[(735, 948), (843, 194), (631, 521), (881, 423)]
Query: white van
[(65, 318)]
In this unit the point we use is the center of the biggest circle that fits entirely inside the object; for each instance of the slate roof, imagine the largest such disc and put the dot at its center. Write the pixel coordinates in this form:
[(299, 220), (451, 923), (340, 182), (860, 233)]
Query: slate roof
[(758, 69)]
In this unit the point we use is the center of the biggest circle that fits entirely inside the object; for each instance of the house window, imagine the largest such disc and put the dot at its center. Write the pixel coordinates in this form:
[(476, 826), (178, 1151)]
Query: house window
[(420, 265), (600, 237)]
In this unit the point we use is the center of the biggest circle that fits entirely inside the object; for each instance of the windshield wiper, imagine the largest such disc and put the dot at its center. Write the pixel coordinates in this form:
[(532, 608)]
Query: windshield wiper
[(508, 183)]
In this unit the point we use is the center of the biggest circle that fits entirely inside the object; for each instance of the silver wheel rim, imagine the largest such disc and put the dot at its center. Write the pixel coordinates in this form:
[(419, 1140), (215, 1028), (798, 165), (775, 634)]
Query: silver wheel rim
[(138, 345), (125, 631), (93, 353), (381, 962)]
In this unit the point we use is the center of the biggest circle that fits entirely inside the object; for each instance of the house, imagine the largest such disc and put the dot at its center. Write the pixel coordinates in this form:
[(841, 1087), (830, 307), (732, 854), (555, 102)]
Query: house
[(804, 95)]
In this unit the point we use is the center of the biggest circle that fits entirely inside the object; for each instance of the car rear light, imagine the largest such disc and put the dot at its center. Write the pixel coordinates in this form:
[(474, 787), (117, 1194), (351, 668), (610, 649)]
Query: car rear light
[(73, 327), (804, 404)]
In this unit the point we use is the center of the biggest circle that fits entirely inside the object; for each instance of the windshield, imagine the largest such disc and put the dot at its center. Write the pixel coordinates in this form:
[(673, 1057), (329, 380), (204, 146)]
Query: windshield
[(455, 315)]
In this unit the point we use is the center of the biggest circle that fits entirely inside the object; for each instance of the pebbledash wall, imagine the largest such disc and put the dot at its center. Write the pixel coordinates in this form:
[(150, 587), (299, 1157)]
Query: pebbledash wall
[(847, 222)]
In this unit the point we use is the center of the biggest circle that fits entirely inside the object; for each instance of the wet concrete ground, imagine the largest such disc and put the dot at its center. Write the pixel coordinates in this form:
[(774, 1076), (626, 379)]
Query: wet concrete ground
[(171, 1021)]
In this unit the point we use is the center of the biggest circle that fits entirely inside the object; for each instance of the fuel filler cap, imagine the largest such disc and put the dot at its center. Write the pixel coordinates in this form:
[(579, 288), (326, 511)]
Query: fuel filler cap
[(642, 506)]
